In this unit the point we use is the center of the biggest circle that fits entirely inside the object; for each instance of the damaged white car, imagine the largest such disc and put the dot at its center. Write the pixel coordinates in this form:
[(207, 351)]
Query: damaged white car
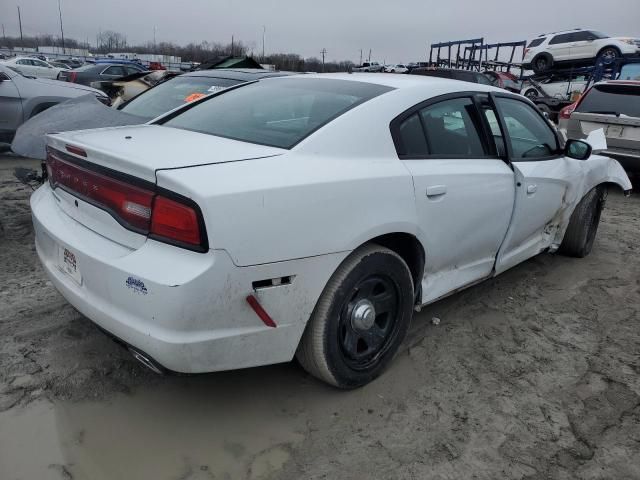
[(307, 216)]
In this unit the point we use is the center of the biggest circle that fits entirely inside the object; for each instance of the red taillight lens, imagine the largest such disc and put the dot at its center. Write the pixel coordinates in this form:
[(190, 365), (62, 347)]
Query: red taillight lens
[(175, 221), (72, 76), (137, 208), (127, 203)]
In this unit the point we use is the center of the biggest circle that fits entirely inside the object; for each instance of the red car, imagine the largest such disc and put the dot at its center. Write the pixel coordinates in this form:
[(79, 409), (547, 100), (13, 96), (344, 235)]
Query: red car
[(505, 80)]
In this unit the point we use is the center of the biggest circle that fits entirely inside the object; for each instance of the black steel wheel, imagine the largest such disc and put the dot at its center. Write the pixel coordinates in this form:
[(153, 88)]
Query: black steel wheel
[(360, 319), (367, 320)]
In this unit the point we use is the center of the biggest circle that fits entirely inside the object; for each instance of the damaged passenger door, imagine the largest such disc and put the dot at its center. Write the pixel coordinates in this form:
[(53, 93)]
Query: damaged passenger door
[(543, 176)]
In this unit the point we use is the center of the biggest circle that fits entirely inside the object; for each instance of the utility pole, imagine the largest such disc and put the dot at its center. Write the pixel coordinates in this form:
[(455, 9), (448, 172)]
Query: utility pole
[(20, 23), (323, 52), (360, 56), (61, 30), (264, 33), (232, 45), (4, 37), (369, 55)]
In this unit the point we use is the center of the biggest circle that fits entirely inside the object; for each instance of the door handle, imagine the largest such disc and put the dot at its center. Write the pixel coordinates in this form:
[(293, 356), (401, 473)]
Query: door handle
[(531, 189), (436, 190)]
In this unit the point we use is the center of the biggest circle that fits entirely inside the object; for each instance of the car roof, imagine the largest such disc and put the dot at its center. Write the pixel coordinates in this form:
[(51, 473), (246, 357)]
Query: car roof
[(243, 74), (400, 81)]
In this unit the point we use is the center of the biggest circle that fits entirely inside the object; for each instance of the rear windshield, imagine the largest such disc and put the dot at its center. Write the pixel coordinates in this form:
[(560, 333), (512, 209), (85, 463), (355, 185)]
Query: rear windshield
[(173, 93), (276, 112), (536, 42), (612, 100)]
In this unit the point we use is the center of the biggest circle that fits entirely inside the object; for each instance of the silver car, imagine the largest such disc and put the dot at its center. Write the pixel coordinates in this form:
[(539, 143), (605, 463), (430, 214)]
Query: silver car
[(613, 106), (23, 97)]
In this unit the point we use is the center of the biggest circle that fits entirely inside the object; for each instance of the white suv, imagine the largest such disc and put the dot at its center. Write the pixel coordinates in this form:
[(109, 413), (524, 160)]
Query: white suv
[(575, 46)]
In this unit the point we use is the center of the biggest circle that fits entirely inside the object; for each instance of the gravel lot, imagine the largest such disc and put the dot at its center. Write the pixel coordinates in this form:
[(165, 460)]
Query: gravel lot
[(532, 375)]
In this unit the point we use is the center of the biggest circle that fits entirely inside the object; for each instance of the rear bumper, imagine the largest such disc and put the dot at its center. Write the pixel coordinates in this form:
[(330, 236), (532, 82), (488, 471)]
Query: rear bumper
[(186, 310)]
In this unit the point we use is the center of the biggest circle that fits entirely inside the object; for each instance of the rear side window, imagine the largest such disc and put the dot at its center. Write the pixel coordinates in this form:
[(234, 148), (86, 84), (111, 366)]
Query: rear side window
[(536, 42), (612, 100), (115, 70), (276, 112), (563, 38), (529, 134), (446, 129)]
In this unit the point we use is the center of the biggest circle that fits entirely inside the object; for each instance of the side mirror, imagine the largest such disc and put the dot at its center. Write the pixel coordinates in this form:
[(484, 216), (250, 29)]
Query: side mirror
[(577, 149)]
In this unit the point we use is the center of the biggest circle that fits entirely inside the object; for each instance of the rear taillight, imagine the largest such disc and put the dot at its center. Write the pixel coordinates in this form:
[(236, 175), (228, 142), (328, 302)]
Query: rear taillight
[(566, 112), (72, 77), (141, 208), (175, 221), (524, 52)]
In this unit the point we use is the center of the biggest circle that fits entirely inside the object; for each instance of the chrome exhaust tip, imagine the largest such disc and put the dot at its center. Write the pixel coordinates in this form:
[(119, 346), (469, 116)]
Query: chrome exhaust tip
[(146, 361)]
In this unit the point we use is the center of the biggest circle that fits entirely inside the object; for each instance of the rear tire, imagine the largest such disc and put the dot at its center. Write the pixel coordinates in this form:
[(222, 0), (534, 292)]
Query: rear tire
[(583, 225), (542, 63), (345, 344)]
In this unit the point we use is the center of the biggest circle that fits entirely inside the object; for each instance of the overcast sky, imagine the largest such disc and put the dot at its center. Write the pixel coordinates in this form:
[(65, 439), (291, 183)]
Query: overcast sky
[(395, 31)]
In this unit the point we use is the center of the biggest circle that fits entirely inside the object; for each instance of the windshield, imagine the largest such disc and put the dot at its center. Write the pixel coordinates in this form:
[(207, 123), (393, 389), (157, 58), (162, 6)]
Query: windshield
[(278, 112), (612, 100), (173, 93)]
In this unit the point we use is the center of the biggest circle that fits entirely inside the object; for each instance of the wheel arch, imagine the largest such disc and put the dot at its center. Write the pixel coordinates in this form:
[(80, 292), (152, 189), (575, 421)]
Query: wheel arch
[(410, 250), (615, 47)]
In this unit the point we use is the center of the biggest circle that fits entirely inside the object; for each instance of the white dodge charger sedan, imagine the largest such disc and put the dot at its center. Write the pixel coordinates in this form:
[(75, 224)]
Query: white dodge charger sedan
[(307, 216)]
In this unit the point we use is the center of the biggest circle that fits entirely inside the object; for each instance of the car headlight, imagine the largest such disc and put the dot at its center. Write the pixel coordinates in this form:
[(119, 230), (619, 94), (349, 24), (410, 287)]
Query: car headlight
[(630, 41)]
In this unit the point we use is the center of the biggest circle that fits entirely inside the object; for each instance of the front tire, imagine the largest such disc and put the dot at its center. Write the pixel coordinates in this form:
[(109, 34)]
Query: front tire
[(583, 225), (360, 319), (608, 55), (531, 93)]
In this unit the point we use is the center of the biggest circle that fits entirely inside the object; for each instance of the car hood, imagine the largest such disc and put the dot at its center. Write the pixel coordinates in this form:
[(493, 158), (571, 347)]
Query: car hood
[(142, 150)]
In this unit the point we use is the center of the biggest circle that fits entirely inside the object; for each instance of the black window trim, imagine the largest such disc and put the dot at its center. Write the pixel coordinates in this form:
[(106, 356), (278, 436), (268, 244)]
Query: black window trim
[(485, 139), (505, 131)]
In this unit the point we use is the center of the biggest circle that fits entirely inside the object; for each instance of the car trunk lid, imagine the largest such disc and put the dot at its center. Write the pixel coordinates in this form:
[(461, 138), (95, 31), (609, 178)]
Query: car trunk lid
[(92, 168), (142, 150)]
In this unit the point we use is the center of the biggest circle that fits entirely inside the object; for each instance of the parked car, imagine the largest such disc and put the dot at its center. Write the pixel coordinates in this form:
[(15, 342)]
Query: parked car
[(22, 98), (71, 62), (454, 74), (291, 216), (574, 46), (504, 80), (100, 71), (369, 67), (613, 106), (189, 87), (557, 85), (59, 64), (33, 67), (399, 68)]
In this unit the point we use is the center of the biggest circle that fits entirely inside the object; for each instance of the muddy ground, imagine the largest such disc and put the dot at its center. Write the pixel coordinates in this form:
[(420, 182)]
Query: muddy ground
[(532, 375)]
